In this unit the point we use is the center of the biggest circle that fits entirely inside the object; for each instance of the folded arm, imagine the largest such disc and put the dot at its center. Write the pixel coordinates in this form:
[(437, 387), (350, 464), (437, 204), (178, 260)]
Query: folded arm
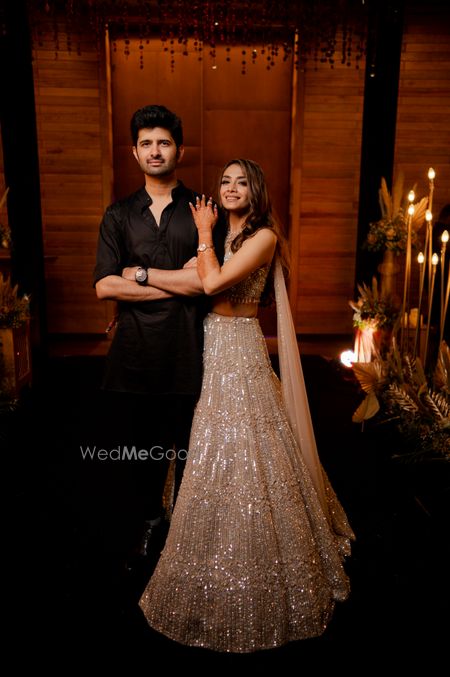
[(111, 250), (181, 282), (116, 288), (255, 252)]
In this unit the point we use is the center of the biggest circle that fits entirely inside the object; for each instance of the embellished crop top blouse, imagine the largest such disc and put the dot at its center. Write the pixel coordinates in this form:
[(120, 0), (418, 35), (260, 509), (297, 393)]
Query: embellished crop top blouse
[(250, 289)]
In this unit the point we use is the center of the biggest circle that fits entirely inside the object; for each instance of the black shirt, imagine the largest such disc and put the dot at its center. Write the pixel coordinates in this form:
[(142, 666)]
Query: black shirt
[(157, 347)]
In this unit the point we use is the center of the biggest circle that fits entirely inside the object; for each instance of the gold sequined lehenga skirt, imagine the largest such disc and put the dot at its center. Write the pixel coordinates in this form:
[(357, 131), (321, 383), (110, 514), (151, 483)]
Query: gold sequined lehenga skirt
[(250, 562)]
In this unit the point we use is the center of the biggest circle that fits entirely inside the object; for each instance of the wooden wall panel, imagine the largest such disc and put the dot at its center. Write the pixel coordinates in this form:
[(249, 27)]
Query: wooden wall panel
[(3, 212), (423, 118), (76, 175), (5, 262), (249, 116), (324, 206), (133, 88)]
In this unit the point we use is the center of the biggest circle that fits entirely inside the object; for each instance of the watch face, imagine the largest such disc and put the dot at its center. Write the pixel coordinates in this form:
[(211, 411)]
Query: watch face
[(141, 275), (201, 247)]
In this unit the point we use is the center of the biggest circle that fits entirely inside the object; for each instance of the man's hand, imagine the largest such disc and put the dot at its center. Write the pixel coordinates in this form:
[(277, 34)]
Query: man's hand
[(130, 273)]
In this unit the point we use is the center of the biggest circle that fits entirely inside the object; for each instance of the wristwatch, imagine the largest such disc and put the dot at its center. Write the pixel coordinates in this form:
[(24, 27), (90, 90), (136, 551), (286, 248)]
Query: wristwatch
[(141, 276), (203, 247)]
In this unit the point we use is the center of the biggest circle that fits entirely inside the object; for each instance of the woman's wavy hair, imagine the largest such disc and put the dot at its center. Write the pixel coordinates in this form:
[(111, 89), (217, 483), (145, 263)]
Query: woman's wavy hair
[(261, 216)]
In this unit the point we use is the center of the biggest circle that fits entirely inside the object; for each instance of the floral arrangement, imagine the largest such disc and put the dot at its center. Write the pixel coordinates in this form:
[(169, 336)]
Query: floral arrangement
[(14, 309), (397, 392), (372, 310), (409, 399), (391, 231)]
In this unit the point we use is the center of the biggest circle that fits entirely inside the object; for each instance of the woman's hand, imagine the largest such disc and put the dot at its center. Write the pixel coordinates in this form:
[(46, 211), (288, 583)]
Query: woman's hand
[(192, 263), (205, 214)]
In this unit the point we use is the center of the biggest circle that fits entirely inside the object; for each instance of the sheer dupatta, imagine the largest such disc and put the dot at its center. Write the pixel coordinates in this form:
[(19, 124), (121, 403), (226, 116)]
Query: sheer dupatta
[(293, 388)]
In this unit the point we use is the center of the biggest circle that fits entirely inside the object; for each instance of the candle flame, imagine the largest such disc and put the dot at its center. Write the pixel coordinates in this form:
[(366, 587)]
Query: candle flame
[(445, 236), (411, 196), (420, 257), (428, 215), (411, 210), (431, 174), (435, 259), (347, 358)]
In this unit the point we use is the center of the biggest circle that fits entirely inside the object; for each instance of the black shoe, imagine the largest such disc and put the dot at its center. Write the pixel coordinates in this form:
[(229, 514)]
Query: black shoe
[(150, 545), (151, 530)]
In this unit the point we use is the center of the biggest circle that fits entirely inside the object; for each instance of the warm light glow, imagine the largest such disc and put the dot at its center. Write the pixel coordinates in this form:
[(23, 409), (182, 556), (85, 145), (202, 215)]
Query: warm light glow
[(347, 358), (431, 174), (435, 259), (420, 257), (444, 236), (411, 210), (428, 215), (411, 196)]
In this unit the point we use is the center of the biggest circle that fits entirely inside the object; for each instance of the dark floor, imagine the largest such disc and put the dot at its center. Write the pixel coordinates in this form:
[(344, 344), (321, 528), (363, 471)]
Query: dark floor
[(71, 521)]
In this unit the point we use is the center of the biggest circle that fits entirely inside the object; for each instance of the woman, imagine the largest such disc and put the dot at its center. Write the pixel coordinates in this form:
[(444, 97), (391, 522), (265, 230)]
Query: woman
[(253, 558)]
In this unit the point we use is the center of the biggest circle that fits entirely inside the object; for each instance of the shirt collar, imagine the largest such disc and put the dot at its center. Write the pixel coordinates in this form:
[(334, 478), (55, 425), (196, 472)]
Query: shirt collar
[(145, 200)]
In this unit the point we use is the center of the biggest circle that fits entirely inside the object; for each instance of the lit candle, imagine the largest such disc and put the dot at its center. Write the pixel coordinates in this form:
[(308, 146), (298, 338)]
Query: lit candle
[(444, 240), (420, 260), (429, 243), (347, 358), (431, 177)]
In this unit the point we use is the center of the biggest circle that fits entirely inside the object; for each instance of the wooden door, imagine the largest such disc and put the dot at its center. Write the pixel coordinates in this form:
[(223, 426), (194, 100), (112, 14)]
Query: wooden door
[(225, 115)]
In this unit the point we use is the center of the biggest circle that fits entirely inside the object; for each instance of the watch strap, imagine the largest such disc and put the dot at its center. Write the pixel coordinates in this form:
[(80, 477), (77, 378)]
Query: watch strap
[(202, 247)]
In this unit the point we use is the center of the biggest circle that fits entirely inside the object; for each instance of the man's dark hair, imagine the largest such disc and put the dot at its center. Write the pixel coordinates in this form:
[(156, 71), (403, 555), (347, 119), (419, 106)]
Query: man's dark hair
[(149, 117)]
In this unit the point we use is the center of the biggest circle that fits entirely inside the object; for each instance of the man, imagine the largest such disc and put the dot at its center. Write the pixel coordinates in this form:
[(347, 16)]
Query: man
[(154, 365)]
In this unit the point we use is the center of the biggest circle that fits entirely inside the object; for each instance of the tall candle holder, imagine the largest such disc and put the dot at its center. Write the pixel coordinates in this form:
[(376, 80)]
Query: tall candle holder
[(445, 307), (444, 302), (420, 260), (429, 219), (434, 262), (406, 284)]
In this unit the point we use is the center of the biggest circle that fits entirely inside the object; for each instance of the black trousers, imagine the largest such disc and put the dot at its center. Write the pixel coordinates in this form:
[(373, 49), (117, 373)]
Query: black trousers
[(146, 432)]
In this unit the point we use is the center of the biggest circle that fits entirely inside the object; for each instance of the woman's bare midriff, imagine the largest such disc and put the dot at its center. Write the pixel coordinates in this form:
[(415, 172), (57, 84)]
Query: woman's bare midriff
[(224, 307)]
